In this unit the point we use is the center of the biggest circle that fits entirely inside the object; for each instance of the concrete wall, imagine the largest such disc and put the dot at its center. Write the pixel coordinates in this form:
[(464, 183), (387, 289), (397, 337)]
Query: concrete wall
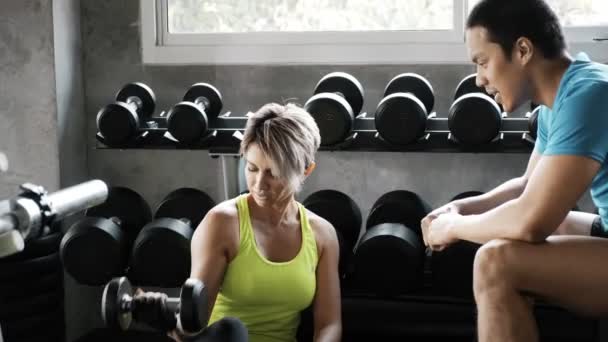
[(28, 111)]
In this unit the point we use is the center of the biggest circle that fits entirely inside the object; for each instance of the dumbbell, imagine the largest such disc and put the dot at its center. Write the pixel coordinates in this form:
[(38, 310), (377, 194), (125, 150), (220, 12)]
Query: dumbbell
[(161, 252), (474, 118), (337, 100), (96, 248), (393, 237), (344, 214), (452, 268), (120, 122), (533, 121), (401, 115), (120, 306), (188, 121)]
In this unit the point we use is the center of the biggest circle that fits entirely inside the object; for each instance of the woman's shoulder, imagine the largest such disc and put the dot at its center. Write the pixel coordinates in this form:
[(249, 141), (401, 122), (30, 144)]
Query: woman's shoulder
[(324, 231)]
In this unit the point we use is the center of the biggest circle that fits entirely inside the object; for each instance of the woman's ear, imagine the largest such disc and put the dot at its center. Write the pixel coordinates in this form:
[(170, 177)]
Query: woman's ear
[(310, 168)]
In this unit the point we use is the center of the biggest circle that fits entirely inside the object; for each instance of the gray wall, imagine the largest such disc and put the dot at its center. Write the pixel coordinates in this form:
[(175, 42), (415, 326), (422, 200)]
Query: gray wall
[(28, 112), (71, 118)]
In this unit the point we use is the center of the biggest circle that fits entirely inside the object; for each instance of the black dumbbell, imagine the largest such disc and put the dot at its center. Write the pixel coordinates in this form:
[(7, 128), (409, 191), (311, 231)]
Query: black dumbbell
[(393, 236), (344, 214), (337, 101), (120, 122), (533, 122), (452, 268), (401, 115), (161, 252), (474, 118), (120, 306), (96, 248), (188, 121)]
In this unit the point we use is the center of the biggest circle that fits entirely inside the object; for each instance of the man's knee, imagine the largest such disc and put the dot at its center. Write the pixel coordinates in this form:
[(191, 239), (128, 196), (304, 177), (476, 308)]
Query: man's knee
[(491, 265)]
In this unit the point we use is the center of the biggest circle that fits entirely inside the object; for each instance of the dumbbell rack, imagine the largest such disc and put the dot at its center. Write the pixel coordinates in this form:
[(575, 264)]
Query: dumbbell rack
[(226, 133)]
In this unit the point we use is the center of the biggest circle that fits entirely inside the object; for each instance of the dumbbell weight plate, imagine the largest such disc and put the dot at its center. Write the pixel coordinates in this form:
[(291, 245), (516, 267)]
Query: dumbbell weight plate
[(111, 301), (189, 122), (143, 93), (17, 289), (149, 264), (193, 306), (94, 250), (414, 84), (51, 323), (161, 254), (30, 268), (400, 118), (399, 206), (383, 246), (452, 269), (474, 119), (117, 124), (209, 92), (37, 302), (533, 122), (467, 194), (467, 86), (333, 115), (189, 203), (128, 206), (338, 209), (345, 84), (44, 245)]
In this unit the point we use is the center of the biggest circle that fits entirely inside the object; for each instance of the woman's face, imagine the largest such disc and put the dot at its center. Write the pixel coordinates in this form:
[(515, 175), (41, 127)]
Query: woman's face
[(260, 172)]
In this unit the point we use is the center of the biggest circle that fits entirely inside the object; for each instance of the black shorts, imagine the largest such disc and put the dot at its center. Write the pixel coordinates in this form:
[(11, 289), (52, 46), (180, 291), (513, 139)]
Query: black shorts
[(598, 229)]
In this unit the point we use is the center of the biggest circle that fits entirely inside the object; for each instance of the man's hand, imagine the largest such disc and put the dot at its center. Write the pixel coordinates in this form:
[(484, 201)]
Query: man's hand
[(441, 231), (426, 222)]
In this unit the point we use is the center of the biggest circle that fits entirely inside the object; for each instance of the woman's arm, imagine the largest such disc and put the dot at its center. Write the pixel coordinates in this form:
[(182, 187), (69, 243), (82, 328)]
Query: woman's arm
[(327, 308)]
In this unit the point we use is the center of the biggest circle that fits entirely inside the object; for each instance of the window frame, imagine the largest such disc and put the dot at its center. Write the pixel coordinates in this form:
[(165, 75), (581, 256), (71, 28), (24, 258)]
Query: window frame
[(319, 48)]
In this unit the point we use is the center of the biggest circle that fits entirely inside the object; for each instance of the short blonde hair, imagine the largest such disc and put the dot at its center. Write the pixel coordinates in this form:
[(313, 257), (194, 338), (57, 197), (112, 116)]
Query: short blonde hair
[(288, 135)]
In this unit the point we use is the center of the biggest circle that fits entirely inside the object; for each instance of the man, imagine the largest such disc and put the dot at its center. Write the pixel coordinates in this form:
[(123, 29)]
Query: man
[(532, 243)]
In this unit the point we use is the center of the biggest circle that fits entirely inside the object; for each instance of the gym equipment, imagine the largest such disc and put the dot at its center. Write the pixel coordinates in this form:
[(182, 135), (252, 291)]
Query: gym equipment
[(26, 216), (474, 118), (401, 115), (120, 306), (393, 235), (188, 121), (161, 252), (337, 100), (121, 122), (343, 213), (452, 268), (399, 206), (96, 248), (533, 122)]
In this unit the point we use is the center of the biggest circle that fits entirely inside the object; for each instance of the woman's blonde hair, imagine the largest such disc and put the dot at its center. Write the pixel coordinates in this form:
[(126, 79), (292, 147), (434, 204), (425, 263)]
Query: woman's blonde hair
[(288, 136)]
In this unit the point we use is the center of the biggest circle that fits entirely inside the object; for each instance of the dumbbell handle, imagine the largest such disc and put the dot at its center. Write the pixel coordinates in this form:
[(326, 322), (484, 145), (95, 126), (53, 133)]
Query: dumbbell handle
[(164, 315), (203, 102), (134, 102)]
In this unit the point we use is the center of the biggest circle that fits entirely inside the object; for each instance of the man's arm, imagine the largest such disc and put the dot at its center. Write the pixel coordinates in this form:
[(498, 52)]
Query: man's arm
[(555, 185), (507, 191)]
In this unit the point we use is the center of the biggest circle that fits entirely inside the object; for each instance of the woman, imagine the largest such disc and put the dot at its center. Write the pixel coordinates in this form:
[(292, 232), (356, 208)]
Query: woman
[(262, 256)]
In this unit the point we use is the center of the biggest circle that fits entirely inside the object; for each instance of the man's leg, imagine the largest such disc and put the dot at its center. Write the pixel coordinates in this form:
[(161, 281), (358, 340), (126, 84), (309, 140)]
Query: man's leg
[(567, 270)]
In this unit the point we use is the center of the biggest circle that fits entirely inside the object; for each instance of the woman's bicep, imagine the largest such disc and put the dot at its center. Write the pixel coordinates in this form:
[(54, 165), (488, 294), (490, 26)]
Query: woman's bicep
[(209, 254)]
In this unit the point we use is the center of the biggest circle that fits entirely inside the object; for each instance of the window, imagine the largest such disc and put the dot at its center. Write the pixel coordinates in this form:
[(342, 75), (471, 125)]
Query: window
[(332, 31)]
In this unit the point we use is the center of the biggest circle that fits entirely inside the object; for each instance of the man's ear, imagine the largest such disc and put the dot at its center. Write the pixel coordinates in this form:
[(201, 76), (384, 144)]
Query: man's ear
[(524, 50)]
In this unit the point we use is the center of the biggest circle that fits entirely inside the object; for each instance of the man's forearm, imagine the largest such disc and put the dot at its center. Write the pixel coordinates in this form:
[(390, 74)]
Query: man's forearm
[(503, 193)]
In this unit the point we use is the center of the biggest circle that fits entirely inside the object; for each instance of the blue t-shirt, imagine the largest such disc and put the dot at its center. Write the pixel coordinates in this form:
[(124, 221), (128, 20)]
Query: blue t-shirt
[(578, 123)]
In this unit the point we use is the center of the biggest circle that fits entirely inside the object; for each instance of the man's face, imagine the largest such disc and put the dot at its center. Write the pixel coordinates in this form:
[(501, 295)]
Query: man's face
[(503, 78)]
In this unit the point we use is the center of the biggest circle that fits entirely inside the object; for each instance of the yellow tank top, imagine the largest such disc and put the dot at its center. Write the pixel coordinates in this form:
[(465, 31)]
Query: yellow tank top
[(267, 296)]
